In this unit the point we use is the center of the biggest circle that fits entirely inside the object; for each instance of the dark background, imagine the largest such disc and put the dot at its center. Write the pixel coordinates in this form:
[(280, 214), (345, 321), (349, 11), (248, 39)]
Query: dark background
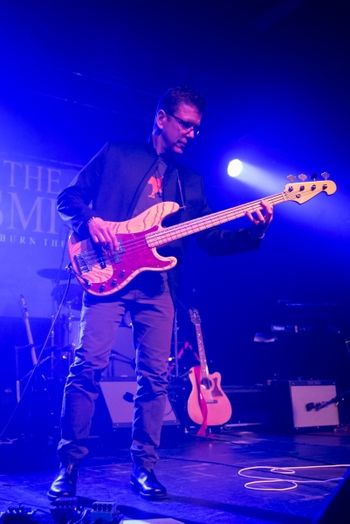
[(276, 78)]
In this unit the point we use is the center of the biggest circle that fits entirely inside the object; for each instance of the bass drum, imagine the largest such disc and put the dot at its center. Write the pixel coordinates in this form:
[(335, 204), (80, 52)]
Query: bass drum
[(67, 332), (122, 358), (66, 339), (73, 332)]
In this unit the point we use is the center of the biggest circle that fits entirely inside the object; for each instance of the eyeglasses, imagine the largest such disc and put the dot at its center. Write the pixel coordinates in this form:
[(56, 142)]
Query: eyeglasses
[(187, 126)]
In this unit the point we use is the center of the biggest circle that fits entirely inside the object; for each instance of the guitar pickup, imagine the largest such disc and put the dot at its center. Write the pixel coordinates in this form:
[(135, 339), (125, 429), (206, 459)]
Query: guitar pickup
[(102, 262), (82, 264), (100, 256), (118, 252)]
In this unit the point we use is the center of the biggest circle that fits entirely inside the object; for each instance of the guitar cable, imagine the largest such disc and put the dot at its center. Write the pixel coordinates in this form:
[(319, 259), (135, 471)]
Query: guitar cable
[(32, 373), (264, 483)]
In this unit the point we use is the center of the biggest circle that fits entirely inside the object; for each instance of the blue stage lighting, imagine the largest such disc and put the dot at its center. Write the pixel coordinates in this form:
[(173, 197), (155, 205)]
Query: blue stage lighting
[(234, 167)]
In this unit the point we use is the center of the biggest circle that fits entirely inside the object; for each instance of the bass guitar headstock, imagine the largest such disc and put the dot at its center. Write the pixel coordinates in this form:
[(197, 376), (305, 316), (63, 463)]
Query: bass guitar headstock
[(303, 191)]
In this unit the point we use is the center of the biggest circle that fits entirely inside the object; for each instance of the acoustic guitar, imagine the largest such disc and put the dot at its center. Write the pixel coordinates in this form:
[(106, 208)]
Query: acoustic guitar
[(102, 271), (207, 404)]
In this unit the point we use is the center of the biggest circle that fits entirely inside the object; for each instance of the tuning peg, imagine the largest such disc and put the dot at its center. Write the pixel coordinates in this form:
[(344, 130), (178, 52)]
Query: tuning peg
[(325, 175), (302, 177), (291, 178)]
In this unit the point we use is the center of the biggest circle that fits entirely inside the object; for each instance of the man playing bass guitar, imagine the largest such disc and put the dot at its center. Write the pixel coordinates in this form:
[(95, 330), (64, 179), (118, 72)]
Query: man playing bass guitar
[(134, 186)]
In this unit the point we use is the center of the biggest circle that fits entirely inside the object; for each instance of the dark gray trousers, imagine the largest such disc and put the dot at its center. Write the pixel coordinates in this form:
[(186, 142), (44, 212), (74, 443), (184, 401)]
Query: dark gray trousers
[(151, 308)]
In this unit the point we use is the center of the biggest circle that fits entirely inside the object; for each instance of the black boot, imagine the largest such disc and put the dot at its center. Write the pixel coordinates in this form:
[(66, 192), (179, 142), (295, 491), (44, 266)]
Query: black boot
[(146, 484), (65, 484)]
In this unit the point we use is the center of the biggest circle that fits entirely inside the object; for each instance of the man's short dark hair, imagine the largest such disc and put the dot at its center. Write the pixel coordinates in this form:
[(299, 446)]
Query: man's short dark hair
[(174, 96)]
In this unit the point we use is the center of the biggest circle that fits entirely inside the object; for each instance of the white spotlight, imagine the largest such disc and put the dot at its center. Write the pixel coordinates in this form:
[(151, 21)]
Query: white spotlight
[(234, 167)]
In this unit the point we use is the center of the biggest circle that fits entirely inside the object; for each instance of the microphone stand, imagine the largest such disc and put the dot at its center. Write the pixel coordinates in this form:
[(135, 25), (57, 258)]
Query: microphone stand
[(176, 342), (317, 406)]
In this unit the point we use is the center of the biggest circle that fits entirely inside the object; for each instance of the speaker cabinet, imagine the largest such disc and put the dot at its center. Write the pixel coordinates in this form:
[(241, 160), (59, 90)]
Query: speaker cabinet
[(122, 359), (303, 404), (312, 404), (119, 399)]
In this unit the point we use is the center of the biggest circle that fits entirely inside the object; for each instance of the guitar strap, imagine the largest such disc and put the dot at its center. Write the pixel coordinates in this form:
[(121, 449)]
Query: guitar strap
[(202, 403)]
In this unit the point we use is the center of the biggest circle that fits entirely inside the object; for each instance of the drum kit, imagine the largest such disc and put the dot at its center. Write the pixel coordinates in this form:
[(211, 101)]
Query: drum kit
[(41, 369), (64, 336), (65, 333)]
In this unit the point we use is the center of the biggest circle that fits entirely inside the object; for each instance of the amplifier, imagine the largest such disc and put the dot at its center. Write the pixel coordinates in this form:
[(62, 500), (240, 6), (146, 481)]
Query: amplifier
[(304, 404), (119, 399), (313, 405)]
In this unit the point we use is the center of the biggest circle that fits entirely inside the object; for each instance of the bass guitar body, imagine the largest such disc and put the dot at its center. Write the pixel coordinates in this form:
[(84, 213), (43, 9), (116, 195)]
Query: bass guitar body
[(102, 272)]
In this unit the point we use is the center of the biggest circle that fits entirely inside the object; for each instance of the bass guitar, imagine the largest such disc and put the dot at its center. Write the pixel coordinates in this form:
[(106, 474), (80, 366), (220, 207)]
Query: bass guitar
[(103, 271), (207, 404)]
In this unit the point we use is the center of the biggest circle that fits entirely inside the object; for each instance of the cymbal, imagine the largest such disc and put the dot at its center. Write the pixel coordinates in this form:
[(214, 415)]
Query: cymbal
[(53, 274)]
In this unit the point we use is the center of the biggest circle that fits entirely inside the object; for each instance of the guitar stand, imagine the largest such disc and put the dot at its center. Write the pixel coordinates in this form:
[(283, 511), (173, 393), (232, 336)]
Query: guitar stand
[(203, 430), (340, 397)]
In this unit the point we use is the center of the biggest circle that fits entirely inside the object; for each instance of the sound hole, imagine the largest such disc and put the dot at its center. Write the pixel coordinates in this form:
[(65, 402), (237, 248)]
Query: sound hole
[(206, 382)]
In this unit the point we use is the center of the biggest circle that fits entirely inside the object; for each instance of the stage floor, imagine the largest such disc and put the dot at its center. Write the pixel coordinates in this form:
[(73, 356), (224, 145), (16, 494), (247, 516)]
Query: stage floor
[(230, 477)]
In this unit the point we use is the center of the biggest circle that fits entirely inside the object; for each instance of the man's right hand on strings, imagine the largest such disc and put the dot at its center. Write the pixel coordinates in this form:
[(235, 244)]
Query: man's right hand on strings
[(101, 232)]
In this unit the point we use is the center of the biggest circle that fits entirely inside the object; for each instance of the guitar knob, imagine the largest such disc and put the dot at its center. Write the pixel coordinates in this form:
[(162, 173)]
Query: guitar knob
[(102, 288), (113, 282)]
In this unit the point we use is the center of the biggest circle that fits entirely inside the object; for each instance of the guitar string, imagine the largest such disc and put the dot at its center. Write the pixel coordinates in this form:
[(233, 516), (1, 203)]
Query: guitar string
[(218, 218), (221, 216), (170, 233), (180, 230)]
